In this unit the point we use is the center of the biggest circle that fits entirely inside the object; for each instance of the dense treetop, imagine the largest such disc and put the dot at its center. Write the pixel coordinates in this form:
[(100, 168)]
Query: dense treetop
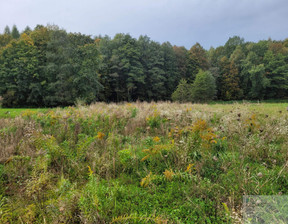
[(47, 67)]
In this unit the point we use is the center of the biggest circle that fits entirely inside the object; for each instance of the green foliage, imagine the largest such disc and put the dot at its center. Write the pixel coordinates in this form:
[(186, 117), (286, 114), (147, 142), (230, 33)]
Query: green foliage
[(7, 30), (86, 82), (204, 87), (171, 75), (182, 92), (182, 62), (152, 60), (155, 120), (19, 73), (49, 67), (232, 44), (35, 65), (277, 72), (5, 212), (259, 82), (125, 156), (89, 203), (197, 60), (230, 80), (15, 33), (125, 69)]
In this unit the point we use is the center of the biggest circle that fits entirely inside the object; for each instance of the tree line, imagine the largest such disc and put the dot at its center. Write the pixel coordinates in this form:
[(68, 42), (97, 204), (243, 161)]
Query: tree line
[(47, 67)]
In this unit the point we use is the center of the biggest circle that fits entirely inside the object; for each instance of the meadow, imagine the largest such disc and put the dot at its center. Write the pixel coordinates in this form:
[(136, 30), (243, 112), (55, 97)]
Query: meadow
[(140, 162)]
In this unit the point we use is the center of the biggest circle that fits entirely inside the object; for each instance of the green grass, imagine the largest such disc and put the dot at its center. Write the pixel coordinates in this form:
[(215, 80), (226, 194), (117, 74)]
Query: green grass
[(261, 108), (14, 112)]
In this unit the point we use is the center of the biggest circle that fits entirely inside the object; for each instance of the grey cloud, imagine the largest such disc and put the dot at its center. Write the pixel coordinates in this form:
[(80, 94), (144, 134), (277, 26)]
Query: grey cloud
[(182, 22)]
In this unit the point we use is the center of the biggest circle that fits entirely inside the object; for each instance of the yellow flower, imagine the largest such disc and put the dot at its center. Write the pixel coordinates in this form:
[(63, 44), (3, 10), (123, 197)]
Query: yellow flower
[(145, 157), (200, 125), (146, 180), (90, 171), (188, 169), (156, 139), (224, 138), (100, 135), (168, 174), (213, 141)]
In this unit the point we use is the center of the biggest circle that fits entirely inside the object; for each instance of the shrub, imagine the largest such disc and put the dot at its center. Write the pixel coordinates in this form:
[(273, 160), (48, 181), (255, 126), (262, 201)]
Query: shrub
[(204, 87), (182, 92)]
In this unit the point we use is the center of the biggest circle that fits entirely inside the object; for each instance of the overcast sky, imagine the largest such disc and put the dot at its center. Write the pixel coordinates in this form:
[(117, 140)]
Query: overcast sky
[(181, 22)]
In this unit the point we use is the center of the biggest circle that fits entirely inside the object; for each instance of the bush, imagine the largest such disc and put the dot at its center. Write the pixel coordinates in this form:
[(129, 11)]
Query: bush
[(204, 87), (183, 92)]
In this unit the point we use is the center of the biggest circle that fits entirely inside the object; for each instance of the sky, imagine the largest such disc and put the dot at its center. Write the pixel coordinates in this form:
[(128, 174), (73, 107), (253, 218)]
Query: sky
[(181, 22)]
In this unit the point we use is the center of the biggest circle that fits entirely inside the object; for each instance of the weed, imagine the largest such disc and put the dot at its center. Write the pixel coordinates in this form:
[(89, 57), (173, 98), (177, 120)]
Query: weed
[(139, 162)]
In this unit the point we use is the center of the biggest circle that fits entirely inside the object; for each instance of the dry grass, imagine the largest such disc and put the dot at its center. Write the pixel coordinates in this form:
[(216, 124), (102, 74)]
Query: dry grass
[(15, 137), (231, 151)]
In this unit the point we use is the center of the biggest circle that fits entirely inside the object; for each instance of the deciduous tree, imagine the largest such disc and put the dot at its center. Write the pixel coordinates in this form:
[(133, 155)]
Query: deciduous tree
[(204, 87)]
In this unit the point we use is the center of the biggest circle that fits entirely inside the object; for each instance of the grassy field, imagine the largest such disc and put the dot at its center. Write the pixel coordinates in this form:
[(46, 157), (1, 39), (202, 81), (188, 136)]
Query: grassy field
[(140, 162), (12, 113)]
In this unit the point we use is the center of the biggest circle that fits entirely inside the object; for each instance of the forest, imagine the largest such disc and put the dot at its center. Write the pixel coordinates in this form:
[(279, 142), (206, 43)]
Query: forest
[(48, 67), (131, 155)]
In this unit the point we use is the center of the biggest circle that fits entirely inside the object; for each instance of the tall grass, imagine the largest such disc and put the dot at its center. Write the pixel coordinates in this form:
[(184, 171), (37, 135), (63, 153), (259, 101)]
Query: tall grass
[(141, 162)]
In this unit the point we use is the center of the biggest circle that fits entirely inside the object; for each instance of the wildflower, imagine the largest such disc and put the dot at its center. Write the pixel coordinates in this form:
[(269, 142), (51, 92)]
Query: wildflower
[(156, 139), (213, 141), (251, 123), (200, 125), (145, 157), (225, 208), (188, 169), (27, 113), (100, 135), (168, 174), (155, 150), (146, 180), (90, 171)]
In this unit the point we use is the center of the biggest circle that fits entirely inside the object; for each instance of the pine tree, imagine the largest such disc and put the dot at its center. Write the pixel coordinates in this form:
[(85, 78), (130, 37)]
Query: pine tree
[(182, 92), (27, 30), (7, 30), (15, 33)]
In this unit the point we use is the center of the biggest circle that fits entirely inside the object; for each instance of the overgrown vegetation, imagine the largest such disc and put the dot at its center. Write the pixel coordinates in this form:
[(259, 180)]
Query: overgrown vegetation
[(140, 162)]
